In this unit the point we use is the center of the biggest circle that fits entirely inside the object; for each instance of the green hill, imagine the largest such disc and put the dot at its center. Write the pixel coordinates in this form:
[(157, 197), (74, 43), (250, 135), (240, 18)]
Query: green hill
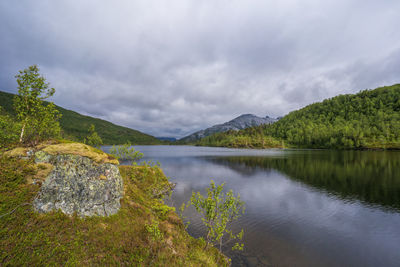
[(369, 119), (75, 126)]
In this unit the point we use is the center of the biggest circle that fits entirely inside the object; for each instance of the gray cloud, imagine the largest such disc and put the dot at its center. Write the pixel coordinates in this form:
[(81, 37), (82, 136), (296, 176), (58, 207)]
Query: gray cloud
[(174, 67)]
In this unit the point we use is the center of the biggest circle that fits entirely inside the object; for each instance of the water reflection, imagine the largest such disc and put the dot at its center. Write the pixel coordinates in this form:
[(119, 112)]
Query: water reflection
[(372, 177), (303, 208)]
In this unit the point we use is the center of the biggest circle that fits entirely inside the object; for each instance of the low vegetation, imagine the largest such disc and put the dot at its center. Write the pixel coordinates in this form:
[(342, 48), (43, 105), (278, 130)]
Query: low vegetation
[(93, 139), (126, 152), (9, 129), (218, 210), (144, 232), (77, 149)]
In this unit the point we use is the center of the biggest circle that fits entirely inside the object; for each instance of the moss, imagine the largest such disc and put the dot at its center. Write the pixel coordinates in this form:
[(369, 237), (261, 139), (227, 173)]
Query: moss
[(17, 152), (79, 149), (42, 170), (41, 156), (54, 147), (30, 238)]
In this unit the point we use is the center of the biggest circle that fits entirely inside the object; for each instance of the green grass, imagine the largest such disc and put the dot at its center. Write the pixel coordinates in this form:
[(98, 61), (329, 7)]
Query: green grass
[(145, 232), (75, 126)]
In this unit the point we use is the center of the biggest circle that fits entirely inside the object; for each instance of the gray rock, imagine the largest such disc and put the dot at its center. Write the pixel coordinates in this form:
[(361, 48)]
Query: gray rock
[(239, 123), (42, 157), (79, 185)]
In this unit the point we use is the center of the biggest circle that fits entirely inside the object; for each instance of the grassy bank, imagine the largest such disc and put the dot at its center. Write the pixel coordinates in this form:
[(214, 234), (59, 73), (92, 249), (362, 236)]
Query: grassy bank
[(145, 232)]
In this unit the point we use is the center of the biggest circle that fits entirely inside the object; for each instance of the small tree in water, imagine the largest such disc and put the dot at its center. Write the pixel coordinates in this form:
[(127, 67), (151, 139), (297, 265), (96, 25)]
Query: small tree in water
[(219, 209), (39, 119)]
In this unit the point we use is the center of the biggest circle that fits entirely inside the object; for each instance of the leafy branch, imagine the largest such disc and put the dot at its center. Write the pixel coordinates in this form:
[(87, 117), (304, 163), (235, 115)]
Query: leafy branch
[(219, 210)]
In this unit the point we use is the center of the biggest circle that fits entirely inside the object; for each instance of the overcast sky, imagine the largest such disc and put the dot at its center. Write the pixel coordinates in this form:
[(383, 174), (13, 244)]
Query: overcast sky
[(169, 68)]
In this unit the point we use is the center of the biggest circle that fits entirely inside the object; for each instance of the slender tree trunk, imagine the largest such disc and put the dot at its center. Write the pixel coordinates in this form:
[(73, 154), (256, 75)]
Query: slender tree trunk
[(207, 240), (22, 133)]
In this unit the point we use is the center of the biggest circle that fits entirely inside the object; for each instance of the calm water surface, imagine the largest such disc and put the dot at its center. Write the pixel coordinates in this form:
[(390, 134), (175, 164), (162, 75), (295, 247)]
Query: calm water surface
[(303, 207)]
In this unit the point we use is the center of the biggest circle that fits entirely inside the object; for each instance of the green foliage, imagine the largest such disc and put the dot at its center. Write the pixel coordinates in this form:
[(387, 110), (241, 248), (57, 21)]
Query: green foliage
[(154, 232), (238, 139), (162, 211), (181, 213), (126, 152), (93, 139), (219, 209), (369, 119), (9, 130), (39, 119), (74, 126)]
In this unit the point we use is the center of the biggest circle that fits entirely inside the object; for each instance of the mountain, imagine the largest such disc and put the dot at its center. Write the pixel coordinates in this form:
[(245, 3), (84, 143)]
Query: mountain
[(242, 122), (369, 119), (75, 126)]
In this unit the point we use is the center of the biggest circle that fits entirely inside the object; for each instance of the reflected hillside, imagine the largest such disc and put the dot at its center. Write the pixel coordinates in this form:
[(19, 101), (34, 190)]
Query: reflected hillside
[(370, 176)]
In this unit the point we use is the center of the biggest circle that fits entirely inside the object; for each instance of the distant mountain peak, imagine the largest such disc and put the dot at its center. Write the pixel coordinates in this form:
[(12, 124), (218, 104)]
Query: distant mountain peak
[(241, 122)]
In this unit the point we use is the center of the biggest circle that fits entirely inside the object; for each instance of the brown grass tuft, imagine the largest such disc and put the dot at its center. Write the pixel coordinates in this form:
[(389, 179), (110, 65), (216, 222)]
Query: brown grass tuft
[(17, 152), (81, 150)]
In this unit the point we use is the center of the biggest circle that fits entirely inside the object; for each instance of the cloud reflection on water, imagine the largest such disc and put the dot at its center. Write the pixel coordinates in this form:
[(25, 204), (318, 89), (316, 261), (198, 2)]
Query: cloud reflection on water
[(288, 220)]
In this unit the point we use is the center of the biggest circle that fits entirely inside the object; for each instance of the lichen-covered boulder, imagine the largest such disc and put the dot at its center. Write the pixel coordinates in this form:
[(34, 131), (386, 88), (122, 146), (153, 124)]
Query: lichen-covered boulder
[(80, 185)]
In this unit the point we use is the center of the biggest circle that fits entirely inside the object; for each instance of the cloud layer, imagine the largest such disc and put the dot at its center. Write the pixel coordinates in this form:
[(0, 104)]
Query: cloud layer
[(170, 68)]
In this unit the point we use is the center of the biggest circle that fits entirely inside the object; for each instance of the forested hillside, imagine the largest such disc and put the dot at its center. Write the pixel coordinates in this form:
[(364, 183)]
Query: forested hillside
[(75, 126), (248, 138), (242, 122), (369, 119)]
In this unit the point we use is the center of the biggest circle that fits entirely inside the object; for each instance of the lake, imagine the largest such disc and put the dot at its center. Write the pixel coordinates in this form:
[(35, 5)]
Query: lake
[(303, 207)]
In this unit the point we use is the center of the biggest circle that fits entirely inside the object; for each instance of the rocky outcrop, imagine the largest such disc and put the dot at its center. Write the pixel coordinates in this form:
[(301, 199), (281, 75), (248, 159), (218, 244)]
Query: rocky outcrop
[(239, 123), (79, 184)]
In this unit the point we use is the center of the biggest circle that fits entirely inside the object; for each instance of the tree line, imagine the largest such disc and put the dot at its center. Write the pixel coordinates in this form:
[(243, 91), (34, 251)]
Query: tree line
[(369, 119)]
